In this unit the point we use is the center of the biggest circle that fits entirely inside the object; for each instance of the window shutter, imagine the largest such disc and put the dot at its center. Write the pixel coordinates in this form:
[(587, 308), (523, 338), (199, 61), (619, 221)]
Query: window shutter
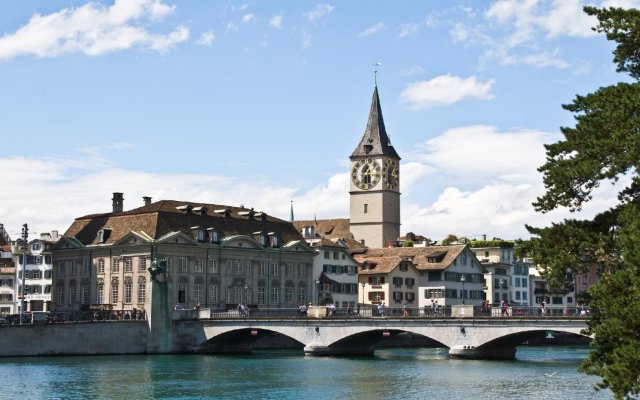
[(382, 296), (382, 280)]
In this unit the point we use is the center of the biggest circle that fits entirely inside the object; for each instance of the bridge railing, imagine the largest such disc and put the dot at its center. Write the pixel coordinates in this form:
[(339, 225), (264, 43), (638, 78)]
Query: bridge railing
[(388, 312)]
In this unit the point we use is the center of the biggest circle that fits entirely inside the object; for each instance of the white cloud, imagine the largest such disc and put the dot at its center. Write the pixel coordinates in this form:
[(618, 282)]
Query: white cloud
[(372, 30), (319, 12), (206, 39), (445, 90), (93, 29), (248, 18), (305, 40), (276, 21), (471, 151), (408, 30)]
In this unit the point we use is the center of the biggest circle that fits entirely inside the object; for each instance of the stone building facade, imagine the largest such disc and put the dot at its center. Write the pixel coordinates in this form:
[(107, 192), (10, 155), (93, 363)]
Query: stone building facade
[(216, 256)]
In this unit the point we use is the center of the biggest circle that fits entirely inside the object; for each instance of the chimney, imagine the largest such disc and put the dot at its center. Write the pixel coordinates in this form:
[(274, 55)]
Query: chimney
[(117, 202), (146, 200)]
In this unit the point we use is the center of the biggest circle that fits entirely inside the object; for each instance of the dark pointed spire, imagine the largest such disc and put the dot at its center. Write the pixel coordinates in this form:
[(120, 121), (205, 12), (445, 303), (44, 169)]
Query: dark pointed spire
[(375, 140)]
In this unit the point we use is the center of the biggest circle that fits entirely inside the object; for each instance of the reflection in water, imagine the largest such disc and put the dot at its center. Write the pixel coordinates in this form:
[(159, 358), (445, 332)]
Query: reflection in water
[(538, 373)]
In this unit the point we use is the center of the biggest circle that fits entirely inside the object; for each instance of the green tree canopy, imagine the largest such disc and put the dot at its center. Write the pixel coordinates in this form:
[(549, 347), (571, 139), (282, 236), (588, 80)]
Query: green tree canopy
[(603, 146)]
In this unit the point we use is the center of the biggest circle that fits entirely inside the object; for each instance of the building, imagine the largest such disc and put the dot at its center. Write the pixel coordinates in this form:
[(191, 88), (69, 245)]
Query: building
[(497, 258), (216, 257), (374, 212), (7, 275), (38, 271), (336, 274), (450, 275)]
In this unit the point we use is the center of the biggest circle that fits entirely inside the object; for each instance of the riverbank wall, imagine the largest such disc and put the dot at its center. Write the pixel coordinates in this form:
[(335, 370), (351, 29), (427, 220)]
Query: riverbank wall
[(90, 338)]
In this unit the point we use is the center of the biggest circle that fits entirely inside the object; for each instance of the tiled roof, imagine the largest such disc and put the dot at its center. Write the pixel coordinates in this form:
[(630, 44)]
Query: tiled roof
[(327, 228), (385, 257), (160, 218), (375, 140)]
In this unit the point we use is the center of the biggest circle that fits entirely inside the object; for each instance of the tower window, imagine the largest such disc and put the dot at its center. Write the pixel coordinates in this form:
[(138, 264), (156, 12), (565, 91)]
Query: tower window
[(366, 208)]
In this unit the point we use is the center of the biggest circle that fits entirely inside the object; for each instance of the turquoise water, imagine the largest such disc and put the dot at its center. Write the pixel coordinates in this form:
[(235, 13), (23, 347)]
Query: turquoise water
[(538, 373)]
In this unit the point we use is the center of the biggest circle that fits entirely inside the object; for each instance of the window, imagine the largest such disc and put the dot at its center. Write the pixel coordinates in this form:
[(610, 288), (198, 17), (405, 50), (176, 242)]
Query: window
[(60, 296), (182, 266), (302, 296), (524, 295), (115, 267), (142, 289), (199, 267), (517, 282), (61, 269), (289, 270), (366, 208), (213, 267), (524, 282), (376, 297), (326, 254), (410, 297), (336, 255), (517, 294), (86, 266), (142, 264), (376, 280), (213, 294), (274, 269), (73, 294), (101, 265), (261, 296), (404, 267), (36, 274), (128, 264), (115, 288), (197, 293), (274, 296), (409, 282), (288, 296), (128, 290), (168, 261), (397, 297), (182, 291), (262, 269), (48, 274), (100, 294), (397, 282), (36, 246)]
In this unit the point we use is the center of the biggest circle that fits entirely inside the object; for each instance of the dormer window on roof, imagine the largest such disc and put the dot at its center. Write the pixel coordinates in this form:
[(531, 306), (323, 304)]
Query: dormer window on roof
[(262, 216), (261, 237), (200, 233), (223, 211), (103, 235), (200, 210), (249, 214), (275, 239), (185, 209), (214, 235)]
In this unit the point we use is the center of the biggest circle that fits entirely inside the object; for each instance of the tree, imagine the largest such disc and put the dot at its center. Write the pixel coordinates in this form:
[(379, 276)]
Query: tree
[(603, 146)]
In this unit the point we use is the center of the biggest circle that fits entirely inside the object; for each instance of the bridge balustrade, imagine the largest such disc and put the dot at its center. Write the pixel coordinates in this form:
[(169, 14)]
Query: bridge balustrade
[(389, 312)]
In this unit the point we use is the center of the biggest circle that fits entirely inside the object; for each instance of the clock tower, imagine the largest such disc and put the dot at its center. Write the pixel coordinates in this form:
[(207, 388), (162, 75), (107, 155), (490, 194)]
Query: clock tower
[(374, 215)]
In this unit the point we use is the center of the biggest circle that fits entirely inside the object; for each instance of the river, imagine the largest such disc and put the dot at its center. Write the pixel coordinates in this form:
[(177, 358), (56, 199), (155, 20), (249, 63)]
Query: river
[(538, 373)]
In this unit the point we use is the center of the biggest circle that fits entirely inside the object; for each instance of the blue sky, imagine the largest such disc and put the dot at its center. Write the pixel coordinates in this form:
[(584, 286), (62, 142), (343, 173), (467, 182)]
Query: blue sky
[(260, 103)]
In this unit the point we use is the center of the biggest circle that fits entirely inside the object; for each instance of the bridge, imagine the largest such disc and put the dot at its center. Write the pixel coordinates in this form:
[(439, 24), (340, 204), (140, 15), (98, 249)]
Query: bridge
[(484, 336)]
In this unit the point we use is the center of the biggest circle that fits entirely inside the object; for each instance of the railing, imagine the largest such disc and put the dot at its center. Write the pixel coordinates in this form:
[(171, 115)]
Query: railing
[(387, 312)]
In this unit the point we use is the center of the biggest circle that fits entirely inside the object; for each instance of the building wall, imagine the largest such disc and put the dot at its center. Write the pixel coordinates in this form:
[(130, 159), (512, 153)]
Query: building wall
[(213, 275), (348, 278)]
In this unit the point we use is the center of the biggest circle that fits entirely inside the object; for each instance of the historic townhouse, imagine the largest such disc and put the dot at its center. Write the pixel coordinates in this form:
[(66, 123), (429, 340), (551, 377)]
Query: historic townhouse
[(37, 267), (449, 275), (216, 256), (7, 275)]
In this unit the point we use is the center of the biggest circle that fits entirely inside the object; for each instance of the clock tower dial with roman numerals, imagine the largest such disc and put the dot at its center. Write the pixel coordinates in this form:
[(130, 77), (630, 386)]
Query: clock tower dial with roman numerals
[(374, 216)]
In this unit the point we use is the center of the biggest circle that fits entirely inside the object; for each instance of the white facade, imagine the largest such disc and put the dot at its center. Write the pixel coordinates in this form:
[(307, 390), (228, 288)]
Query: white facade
[(335, 274), (37, 268)]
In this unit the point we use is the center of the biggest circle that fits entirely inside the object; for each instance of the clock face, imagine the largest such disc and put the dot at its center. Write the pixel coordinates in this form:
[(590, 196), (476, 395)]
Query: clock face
[(390, 174), (365, 173)]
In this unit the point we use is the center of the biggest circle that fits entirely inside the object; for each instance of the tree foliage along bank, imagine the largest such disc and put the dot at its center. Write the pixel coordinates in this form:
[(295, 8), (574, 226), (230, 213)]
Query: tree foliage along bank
[(603, 146)]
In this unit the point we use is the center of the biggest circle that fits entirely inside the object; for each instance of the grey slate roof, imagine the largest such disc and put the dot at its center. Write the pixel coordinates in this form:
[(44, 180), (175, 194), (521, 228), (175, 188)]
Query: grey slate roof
[(375, 141)]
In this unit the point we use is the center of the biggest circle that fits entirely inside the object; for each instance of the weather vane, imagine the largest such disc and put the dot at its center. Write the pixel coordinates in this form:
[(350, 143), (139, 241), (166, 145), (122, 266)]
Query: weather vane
[(375, 72)]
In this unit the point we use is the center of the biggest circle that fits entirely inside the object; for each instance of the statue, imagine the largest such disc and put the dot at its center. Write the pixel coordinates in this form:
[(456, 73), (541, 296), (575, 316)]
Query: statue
[(157, 267)]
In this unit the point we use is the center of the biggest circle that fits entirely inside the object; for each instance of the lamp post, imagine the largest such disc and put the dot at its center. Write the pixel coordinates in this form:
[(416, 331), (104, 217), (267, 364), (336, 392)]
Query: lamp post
[(462, 278), (246, 294), (317, 291), (501, 287), (363, 284), (25, 235)]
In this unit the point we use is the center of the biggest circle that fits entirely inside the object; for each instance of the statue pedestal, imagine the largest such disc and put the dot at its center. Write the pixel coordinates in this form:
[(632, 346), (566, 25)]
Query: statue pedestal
[(317, 312)]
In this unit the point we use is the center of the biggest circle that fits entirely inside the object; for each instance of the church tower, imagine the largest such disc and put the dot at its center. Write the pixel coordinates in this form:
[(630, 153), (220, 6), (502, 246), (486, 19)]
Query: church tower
[(374, 214)]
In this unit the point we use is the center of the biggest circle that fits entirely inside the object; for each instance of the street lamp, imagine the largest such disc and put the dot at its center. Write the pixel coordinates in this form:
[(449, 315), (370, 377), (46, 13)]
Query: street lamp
[(317, 291), (462, 278), (246, 294), (363, 284), (501, 288)]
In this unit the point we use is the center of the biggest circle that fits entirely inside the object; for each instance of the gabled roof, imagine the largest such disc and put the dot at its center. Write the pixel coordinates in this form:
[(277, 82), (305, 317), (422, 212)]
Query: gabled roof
[(326, 228), (422, 257), (161, 218), (375, 141)]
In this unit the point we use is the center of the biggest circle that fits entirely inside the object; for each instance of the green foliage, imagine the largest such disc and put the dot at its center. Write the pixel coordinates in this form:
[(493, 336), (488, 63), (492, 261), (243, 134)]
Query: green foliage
[(407, 243), (449, 239), (604, 145), (505, 244)]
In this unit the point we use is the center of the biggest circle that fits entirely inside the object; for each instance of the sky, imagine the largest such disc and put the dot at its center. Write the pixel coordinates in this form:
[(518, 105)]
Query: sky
[(261, 104)]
